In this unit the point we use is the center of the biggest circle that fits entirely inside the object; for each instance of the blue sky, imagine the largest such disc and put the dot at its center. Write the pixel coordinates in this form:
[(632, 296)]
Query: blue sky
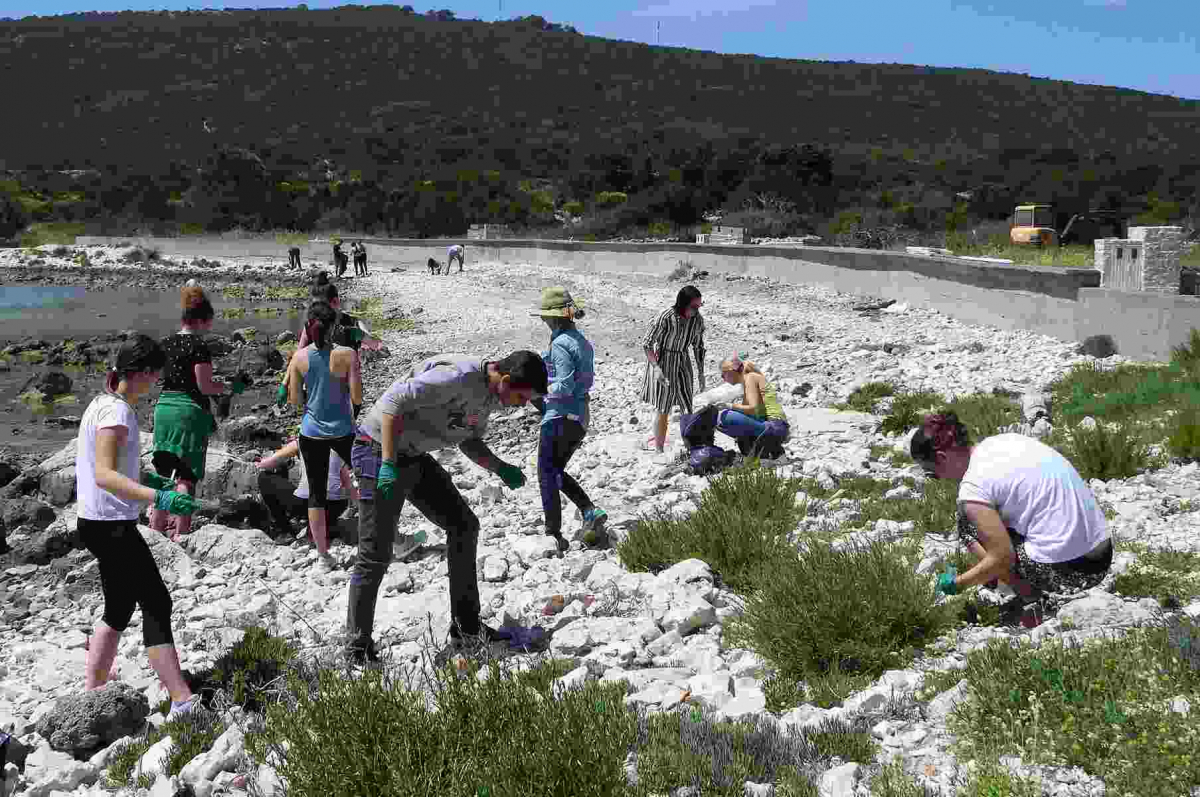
[(1150, 45)]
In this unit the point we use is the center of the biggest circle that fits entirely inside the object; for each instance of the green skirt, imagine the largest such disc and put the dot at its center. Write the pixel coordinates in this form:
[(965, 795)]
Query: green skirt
[(181, 431)]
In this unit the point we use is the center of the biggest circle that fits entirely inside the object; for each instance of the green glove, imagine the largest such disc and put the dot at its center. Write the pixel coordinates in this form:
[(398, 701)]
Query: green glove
[(355, 335), (946, 585), (175, 503), (512, 476), (157, 482), (237, 387), (385, 482), (281, 395)]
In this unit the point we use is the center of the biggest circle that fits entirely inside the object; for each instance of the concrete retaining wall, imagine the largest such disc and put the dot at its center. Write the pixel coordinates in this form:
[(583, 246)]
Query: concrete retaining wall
[(1066, 303)]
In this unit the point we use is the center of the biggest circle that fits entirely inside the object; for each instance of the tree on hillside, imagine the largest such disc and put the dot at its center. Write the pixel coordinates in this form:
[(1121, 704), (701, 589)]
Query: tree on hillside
[(13, 218)]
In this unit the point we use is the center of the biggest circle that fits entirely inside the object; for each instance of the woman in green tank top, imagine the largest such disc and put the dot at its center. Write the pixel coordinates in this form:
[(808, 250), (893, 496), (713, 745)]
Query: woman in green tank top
[(758, 422)]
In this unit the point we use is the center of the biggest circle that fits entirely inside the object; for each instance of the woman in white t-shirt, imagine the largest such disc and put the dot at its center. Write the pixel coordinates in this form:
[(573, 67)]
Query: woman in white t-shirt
[(1024, 511), (110, 500)]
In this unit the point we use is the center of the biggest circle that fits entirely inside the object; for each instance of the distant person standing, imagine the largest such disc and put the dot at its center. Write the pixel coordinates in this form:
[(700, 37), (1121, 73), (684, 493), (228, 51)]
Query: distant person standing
[(339, 259), (668, 378), (360, 260), (294, 257), (456, 252), (183, 419)]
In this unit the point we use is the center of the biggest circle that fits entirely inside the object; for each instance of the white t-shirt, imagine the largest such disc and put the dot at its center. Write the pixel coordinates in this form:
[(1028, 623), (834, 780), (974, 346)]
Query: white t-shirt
[(333, 485), (1038, 493), (105, 412)]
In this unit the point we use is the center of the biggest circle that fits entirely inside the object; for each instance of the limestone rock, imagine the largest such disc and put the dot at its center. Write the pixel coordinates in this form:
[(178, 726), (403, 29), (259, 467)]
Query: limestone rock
[(839, 781), (1103, 609), (217, 544), (223, 756), (83, 723)]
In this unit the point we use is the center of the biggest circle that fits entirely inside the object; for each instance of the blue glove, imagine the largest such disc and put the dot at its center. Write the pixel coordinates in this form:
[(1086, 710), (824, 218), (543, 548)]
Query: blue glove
[(512, 476), (175, 503), (385, 482), (946, 584)]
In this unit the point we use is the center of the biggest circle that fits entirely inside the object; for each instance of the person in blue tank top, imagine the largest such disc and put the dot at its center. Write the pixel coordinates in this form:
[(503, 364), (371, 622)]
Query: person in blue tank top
[(332, 382), (570, 369)]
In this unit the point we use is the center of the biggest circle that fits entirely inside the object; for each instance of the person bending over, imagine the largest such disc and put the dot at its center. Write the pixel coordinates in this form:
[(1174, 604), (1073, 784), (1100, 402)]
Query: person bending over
[(286, 503), (456, 252), (445, 401), (1025, 511)]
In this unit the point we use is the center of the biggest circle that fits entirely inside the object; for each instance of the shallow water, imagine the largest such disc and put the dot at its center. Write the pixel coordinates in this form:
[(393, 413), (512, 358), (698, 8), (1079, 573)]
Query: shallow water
[(53, 313)]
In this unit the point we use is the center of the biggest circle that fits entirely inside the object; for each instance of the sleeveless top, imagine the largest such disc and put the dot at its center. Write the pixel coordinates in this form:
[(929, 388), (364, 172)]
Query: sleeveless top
[(771, 409), (327, 412)]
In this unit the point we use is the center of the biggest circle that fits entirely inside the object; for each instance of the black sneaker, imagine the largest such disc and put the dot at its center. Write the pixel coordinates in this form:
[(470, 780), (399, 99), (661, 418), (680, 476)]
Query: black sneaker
[(483, 634), (561, 542), (361, 656)]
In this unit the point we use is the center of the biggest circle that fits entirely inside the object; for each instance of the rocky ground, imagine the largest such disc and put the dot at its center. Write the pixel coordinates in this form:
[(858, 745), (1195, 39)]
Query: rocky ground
[(662, 632)]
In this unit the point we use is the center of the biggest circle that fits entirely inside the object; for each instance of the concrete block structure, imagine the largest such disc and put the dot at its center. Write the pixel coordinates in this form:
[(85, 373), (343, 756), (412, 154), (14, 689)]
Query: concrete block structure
[(1148, 260)]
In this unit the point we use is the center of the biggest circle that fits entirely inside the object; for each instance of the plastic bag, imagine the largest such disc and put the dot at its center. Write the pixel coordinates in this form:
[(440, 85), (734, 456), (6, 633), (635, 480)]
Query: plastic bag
[(721, 394)]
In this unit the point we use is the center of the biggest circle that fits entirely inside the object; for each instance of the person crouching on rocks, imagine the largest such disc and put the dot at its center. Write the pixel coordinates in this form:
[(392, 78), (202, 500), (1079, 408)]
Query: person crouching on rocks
[(445, 401), (1024, 511), (758, 423), (183, 419), (286, 504), (565, 412), (110, 499), (332, 382)]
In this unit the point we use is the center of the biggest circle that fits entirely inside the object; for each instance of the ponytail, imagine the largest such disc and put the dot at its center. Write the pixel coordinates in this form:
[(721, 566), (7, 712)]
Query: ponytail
[(321, 318)]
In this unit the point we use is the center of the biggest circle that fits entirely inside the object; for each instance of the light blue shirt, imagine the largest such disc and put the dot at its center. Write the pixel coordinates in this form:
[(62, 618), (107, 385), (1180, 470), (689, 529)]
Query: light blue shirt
[(571, 370)]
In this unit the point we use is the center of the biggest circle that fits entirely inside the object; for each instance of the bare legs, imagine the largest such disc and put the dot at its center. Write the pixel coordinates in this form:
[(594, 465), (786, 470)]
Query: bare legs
[(102, 651), (317, 525), (660, 431)]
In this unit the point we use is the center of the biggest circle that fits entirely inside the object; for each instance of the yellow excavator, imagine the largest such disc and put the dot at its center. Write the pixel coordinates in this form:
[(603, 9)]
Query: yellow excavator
[(1039, 225)]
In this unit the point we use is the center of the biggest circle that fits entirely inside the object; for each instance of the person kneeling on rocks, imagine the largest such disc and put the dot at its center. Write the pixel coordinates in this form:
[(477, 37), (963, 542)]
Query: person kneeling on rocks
[(445, 401), (1024, 511), (758, 423), (110, 500), (287, 504)]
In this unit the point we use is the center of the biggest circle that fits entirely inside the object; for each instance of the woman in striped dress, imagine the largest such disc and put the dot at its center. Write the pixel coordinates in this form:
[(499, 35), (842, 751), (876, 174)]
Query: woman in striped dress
[(668, 379)]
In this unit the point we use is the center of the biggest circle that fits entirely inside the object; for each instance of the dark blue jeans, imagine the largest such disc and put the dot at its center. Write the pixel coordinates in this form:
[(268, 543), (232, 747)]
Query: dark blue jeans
[(560, 440)]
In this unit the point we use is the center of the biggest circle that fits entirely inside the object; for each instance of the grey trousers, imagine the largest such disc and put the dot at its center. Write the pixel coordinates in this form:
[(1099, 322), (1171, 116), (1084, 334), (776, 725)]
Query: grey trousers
[(430, 488)]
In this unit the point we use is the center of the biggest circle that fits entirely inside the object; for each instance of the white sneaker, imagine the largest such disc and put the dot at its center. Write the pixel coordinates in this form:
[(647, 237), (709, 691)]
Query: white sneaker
[(406, 545), (181, 709), (326, 563)]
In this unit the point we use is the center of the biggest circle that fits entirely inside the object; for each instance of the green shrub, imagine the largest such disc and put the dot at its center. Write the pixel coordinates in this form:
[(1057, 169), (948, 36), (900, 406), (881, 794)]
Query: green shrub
[(1187, 355), (192, 734), (607, 199), (859, 609), (908, 409), (1102, 706), (496, 737), (1120, 393), (742, 522), (658, 229), (574, 208), (249, 671), (1183, 440), (1168, 576), (1101, 452), (985, 414), (893, 781), (865, 397)]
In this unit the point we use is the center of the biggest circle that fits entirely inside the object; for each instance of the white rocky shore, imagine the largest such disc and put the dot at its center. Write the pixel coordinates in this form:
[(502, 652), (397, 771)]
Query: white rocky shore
[(663, 633)]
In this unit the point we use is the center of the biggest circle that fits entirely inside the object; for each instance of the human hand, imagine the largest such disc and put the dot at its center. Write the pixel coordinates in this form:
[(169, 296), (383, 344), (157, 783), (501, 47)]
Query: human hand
[(157, 482), (385, 482), (512, 476), (175, 503), (653, 357), (946, 584)]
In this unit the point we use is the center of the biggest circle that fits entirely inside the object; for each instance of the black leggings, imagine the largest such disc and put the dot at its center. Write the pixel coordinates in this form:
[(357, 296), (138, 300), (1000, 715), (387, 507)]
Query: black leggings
[(315, 451), (128, 577)]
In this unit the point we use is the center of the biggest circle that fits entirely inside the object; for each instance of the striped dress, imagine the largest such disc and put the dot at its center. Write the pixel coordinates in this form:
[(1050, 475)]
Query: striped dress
[(670, 338)]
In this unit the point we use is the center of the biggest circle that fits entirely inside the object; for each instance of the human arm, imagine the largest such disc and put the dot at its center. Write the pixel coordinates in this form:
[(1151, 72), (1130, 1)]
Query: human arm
[(753, 395), (304, 341), (478, 452), (698, 348), (295, 377), (109, 441), (205, 382), (653, 338), (356, 389), (998, 553), (287, 452), (563, 386), (348, 483)]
